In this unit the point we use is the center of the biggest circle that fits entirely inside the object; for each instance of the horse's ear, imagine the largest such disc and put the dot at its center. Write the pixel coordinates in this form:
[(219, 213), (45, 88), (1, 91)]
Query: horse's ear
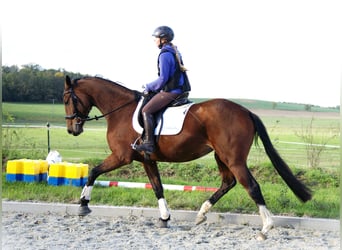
[(67, 81)]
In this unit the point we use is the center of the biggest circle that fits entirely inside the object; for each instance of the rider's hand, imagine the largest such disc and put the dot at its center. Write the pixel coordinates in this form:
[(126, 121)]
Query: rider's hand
[(145, 91)]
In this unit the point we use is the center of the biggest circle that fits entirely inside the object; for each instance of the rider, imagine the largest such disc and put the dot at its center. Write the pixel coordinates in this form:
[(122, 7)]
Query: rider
[(172, 82)]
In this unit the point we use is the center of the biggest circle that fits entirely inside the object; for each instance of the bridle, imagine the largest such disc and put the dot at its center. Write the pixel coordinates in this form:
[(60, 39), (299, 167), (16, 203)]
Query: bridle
[(81, 117), (76, 114)]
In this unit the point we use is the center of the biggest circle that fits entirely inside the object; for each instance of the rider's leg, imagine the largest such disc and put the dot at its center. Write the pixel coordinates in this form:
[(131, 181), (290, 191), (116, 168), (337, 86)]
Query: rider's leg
[(159, 101), (148, 144)]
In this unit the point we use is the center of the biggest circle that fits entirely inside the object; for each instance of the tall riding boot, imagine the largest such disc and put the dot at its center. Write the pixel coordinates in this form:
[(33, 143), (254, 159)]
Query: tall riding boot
[(148, 143)]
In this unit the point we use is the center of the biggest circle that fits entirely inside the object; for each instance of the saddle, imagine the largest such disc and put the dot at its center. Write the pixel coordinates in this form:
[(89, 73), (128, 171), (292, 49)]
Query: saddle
[(168, 120), (179, 101)]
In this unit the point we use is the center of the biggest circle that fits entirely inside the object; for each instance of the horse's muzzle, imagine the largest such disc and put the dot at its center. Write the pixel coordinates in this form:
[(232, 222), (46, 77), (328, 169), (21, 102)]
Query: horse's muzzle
[(75, 133), (75, 129)]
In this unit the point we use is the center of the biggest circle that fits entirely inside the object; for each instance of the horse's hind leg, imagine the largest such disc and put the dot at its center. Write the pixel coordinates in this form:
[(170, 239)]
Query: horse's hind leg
[(228, 182), (244, 176), (152, 172)]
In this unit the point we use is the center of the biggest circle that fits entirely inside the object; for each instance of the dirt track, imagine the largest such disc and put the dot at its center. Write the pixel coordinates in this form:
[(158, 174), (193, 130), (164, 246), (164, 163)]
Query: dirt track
[(57, 231)]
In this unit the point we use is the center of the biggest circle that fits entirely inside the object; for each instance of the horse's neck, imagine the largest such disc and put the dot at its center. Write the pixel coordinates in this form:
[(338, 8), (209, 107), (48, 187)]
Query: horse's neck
[(109, 96)]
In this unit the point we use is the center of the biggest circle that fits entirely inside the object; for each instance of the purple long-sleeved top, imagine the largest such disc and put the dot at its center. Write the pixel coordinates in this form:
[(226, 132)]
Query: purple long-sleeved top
[(167, 68)]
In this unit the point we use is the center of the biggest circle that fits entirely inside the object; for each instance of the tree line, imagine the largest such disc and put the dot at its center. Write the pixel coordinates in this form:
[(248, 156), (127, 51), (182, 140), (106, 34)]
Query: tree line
[(32, 83)]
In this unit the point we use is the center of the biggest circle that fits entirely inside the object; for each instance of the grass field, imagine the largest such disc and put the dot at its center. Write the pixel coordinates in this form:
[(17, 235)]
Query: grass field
[(25, 136), (28, 113), (283, 127)]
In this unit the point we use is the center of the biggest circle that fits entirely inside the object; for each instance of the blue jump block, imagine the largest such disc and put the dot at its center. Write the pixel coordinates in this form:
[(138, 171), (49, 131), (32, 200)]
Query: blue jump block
[(80, 182), (14, 177), (43, 177), (61, 181), (31, 178), (26, 177), (56, 181)]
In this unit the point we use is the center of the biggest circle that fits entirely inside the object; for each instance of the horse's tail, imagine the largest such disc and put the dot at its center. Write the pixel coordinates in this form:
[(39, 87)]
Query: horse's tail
[(297, 187)]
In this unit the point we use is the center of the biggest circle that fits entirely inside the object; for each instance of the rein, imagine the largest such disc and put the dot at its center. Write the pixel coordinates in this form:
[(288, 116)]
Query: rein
[(81, 117), (101, 116)]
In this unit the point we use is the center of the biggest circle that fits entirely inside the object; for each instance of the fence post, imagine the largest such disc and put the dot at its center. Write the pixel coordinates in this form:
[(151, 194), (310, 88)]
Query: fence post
[(48, 135)]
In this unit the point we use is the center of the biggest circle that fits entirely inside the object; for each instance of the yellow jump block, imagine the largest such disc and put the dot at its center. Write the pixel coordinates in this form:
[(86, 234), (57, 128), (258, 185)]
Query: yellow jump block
[(15, 167), (65, 173), (85, 169), (31, 167), (57, 169), (26, 170), (68, 170), (43, 166), (28, 167), (73, 171)]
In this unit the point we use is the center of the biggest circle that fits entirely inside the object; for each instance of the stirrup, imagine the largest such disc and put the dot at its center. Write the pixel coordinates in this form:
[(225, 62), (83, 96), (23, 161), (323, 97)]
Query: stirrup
[(147, 147)]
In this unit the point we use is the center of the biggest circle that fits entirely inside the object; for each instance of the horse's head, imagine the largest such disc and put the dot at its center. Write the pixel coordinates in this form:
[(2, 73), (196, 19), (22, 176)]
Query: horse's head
[(76, 106)]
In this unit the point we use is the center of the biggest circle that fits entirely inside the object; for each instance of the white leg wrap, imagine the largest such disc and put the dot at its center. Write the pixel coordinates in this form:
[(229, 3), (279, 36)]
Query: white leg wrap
[(267, 220), (86, 192), (205, 208), (164, 211), (200, 218)]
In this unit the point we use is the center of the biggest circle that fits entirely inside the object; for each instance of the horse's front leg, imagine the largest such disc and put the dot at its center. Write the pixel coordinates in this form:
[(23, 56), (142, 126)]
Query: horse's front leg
[(109, 164), (86, 192), (152, 172)]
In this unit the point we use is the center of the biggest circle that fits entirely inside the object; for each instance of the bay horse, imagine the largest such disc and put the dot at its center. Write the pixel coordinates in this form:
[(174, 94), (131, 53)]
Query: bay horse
[(217, 125)]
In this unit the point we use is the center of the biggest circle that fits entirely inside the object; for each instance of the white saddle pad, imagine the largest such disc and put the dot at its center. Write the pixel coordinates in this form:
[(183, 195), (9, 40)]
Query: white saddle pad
[(173, 119)]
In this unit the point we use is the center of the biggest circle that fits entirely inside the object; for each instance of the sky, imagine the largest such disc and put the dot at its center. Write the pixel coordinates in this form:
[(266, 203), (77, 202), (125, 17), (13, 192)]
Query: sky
[(273, 50)]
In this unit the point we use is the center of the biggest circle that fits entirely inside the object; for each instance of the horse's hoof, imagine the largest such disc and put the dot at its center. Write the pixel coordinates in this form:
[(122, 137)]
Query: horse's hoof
[(200, 219), (83, 211), (163, 223), (260, 236)]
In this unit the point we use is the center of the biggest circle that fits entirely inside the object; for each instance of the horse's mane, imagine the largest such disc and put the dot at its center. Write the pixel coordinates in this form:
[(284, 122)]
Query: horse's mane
[(99, 78), (138, 94)]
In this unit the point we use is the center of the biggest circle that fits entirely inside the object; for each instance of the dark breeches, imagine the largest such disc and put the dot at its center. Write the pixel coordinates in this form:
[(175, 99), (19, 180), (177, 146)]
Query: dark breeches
[(159, 101)]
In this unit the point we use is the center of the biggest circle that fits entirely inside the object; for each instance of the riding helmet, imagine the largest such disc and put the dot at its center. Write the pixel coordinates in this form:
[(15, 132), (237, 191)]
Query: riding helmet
[(164, 32)]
